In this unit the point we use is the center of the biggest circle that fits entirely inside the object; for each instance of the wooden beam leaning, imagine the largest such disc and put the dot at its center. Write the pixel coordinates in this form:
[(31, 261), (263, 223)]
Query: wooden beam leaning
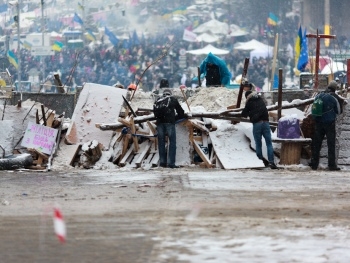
[(213, 115)]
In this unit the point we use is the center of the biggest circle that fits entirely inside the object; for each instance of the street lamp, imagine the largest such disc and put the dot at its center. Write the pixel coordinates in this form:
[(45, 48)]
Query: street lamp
[(17, 4)]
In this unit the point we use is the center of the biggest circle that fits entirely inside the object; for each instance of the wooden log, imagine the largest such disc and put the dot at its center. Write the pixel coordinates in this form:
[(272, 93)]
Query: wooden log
[(43, 113), (153, 132), (134, 138), (214, 115)]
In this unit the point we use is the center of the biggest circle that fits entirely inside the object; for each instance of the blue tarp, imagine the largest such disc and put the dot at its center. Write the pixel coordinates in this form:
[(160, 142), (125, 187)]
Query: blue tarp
[(225, 74)]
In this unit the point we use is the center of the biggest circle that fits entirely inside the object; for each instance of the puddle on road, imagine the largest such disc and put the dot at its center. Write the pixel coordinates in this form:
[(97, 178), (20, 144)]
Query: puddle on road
[(327, 244)]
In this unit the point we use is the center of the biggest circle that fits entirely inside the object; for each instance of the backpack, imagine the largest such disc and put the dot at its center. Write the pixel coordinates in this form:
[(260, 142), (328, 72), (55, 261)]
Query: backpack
[(161, 107), (317, 107)]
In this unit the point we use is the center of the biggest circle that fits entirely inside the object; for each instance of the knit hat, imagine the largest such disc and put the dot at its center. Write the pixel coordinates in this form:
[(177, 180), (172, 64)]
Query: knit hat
[(333, 85)]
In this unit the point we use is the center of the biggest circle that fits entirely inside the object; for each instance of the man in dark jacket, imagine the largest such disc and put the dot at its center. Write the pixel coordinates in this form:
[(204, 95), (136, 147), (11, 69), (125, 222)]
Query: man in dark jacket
[(166, 118), (325, 126), (256, 109)]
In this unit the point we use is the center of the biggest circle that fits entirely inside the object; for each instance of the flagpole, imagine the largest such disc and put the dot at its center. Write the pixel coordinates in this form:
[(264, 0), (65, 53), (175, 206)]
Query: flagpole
[(43, 40), (275, 50), (19, 50)]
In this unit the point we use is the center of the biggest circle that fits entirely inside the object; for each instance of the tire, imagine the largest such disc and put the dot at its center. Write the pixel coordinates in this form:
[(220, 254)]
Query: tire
[(16, 161)]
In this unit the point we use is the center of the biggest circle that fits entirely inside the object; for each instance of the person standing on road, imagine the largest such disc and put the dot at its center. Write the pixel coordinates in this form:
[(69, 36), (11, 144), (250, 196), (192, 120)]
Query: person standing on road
[(256, 109), (167, 110), (325, 126)]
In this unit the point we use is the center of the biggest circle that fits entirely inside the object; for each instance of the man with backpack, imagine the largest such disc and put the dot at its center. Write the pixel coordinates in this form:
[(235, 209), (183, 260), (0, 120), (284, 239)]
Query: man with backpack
[(167, 110), (324, 111)]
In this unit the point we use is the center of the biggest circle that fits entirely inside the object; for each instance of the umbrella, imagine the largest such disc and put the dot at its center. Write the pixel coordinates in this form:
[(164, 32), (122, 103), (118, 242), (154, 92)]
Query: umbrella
[(208, 49), (333, 67)]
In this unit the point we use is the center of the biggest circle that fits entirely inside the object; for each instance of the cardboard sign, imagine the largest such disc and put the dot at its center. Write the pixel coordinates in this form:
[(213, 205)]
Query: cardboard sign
[(39, 137)]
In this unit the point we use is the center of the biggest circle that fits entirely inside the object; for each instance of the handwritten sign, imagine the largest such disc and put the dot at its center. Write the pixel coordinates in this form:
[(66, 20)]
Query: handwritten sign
[(39, 137)]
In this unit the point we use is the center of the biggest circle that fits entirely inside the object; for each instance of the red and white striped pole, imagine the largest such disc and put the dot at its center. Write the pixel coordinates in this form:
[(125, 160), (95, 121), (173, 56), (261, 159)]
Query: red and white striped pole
[(59, 225)]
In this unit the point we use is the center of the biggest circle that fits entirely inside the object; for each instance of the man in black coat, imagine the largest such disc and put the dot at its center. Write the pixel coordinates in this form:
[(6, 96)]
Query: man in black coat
[(167, 110), (325, 126), (256, 109)]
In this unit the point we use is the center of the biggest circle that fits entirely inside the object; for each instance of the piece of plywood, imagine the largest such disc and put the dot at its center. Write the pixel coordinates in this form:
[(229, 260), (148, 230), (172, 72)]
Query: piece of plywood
[(232, 148), (96, 104)]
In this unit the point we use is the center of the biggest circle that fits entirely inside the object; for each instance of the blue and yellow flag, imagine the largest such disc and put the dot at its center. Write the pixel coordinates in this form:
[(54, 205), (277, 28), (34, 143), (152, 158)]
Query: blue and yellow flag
[(77, 19), (27, 45), (297, 47), (57, 46), (304, 56), (114, 40), (81, 7), (272, 20), (12, 58), (90, 35), (181, 10)]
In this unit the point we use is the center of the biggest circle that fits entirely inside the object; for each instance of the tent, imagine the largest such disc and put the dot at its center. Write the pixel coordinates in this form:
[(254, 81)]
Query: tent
[(208, 38), (257, 49), (236, 31), (208, 49), (251, 45), (214, 26), (334, 67)]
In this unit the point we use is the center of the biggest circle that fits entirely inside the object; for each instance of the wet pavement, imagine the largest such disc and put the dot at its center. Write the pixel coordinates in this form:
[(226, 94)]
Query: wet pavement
[(182, 215)]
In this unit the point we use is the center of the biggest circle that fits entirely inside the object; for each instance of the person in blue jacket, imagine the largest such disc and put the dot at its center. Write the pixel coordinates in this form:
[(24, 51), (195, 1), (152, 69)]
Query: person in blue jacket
[(325, 126)]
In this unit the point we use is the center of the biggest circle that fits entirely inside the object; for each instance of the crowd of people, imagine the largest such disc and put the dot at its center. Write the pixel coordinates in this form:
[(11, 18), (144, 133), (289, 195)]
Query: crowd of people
[(127, 61)]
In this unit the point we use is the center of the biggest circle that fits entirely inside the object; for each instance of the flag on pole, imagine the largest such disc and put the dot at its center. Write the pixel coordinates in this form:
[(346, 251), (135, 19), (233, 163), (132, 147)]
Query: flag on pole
[(57, 46), (297, 47), (77, 19), (303, 56), (189, 36), (272, 20), (12, 58), (27, 45), (81, 7), (90, 35), (114, 40)]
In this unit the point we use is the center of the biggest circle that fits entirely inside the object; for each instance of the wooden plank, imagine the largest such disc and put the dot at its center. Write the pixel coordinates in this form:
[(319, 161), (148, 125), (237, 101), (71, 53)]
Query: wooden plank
[(155, 159), (50, 119), (125, 157), (134, 138), (144, 149), (96, 104), (125, 122), (148, 159), (199, 126), (205, 143), (117, 152), (153, 132), (218, 163), (236, 153), (198, 149)]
